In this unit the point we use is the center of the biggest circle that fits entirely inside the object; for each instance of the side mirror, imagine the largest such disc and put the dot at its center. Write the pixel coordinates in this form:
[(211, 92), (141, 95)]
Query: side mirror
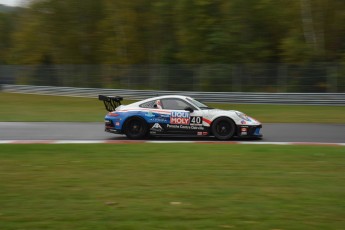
[(189, 109)]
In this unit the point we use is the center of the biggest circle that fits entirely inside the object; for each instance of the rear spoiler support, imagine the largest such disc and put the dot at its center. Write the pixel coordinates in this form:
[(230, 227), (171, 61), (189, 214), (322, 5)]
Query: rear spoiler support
[(110, 102)]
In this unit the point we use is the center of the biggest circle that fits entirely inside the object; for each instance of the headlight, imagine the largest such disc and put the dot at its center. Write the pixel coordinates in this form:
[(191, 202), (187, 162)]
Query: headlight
[(242, 116)]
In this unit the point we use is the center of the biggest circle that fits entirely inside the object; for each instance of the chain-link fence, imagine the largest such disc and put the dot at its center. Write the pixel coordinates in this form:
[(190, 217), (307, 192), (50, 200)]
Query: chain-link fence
[(316, 77)]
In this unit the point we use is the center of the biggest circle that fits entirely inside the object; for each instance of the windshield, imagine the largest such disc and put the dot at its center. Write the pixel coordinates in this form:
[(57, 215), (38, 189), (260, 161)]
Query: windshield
[(198, 103)]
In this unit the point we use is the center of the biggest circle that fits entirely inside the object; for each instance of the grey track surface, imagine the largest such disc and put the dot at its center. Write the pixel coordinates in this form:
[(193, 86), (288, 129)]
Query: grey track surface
[(325, 133)]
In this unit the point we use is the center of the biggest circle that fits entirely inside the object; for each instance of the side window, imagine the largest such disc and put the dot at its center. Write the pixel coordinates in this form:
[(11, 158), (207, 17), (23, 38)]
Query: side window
[(174, 104), (149, 104)]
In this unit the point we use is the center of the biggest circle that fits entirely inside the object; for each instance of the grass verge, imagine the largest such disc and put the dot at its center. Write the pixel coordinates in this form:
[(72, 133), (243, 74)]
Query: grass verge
[(24, 107), (171, 186)]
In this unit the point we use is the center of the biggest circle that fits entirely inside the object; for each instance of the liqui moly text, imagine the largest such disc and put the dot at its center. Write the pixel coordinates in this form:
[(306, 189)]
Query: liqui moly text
[(180, 117)]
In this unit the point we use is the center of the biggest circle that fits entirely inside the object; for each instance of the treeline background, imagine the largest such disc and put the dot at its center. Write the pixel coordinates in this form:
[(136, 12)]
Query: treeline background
[(227, 45)]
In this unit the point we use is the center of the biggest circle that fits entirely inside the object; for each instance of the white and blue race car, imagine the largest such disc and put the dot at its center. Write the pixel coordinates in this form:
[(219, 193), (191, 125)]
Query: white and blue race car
[(176, 115)]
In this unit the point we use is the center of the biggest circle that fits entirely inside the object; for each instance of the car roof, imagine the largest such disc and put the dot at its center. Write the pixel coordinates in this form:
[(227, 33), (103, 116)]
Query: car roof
[(165, 96), (168, 96), (158, 98)]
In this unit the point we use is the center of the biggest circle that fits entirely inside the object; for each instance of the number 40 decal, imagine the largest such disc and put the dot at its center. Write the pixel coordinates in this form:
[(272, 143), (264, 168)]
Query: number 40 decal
[(195, 120)]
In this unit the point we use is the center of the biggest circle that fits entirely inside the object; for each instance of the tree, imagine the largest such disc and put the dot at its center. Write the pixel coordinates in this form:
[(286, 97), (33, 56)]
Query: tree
[(65, 30), (173, 32)]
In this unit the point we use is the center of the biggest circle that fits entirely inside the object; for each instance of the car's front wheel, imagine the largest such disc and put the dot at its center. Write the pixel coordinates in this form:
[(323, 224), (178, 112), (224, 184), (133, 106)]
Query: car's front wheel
[(136, 128), (223, 128)]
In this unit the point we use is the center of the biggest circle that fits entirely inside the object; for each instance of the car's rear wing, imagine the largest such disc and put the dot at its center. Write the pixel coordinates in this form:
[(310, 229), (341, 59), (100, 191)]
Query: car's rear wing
[(110, 102)]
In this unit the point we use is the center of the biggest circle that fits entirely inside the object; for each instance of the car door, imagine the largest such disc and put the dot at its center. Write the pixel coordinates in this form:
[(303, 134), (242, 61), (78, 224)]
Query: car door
[(184, 117)]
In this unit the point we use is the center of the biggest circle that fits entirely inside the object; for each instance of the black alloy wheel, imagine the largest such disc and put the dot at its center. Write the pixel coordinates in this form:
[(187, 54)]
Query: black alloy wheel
[(136, 128), (223, 128)]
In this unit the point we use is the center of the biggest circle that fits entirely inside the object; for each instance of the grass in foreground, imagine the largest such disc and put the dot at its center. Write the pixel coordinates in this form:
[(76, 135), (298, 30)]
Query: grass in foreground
[(23, 107), (171, 186)]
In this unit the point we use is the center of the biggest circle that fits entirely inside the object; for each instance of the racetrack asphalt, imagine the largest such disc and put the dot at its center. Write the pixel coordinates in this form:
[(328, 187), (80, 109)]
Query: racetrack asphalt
[(273, 132)]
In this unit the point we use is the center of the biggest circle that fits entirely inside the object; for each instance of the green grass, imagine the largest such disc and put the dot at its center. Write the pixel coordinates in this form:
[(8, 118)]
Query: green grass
[(27, 107), (171, 186), (22, 107)]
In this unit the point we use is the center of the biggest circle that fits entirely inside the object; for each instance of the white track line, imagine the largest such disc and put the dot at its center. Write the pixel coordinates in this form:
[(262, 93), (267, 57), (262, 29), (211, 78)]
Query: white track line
[(163, 142)]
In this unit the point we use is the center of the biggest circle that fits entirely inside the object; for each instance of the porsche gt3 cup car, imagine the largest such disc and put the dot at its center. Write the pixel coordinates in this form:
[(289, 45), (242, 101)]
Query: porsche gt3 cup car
[(177, 115)]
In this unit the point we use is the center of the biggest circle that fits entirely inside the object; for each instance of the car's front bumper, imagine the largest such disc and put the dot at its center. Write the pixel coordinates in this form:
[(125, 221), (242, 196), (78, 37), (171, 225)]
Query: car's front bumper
[(249, 131)]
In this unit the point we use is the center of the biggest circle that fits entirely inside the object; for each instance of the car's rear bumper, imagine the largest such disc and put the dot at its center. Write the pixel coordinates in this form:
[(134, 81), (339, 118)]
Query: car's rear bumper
[(110, 127)]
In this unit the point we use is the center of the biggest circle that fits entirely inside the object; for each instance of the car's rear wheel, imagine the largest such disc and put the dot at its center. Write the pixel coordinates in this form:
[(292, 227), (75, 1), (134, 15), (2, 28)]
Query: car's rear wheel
[(223, 128), (136, 128)]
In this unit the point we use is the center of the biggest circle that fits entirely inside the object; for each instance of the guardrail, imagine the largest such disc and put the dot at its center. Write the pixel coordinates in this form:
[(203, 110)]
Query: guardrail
[(219, 97)]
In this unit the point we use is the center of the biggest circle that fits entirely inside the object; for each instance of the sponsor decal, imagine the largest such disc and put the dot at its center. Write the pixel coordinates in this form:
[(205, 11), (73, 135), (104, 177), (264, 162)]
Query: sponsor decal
[(244, 131), (157, 127), (243, 122), (159, 120), (179, 117), (195, 120), (202, 133), (164, 115), (149, 114), (117, 123), (157, 117), (185, 127)]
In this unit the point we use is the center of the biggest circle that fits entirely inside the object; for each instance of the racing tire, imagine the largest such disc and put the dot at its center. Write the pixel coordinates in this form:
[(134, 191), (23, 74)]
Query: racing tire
[(136, 128), (223, 128)]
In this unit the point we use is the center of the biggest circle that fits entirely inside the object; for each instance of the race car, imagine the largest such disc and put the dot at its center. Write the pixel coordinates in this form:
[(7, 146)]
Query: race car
[(176, 115)]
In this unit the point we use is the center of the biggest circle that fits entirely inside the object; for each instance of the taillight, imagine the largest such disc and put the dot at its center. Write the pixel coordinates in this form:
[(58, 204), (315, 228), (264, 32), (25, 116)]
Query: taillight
[(112, 114)]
